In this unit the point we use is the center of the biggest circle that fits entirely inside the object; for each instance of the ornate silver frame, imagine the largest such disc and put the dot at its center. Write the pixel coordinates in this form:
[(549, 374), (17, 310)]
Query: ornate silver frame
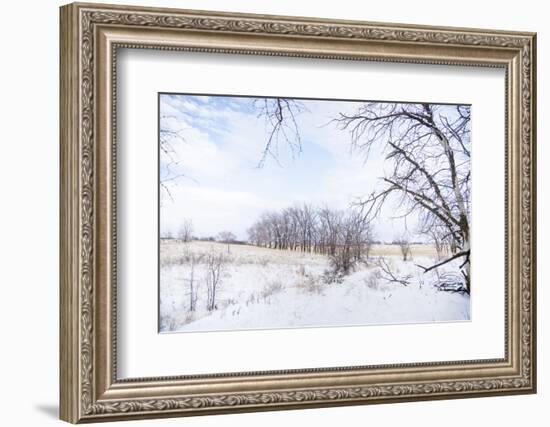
[(90, 36)]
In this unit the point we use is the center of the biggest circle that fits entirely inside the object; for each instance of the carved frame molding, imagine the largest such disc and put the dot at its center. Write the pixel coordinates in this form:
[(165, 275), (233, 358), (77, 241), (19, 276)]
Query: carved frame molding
[(90, 37)]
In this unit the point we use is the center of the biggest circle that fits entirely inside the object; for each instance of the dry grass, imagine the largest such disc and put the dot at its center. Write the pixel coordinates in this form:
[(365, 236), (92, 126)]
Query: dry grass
[(272, 288), (312, 286), (174, 252), (373, 280), (395, 250)]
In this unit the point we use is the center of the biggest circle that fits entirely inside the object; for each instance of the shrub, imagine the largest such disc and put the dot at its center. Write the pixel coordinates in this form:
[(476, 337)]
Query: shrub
[(332, 276), (313, 286), (272, 288), (373, 281)]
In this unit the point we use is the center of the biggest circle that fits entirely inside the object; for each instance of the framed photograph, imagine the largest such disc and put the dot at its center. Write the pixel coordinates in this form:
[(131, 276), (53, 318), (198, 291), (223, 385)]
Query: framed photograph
[(266, 212)]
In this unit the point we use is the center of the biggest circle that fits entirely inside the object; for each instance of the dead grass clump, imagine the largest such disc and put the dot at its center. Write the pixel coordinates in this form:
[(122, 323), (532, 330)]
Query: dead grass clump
[(312, 286), (373, 281), (272, 288)]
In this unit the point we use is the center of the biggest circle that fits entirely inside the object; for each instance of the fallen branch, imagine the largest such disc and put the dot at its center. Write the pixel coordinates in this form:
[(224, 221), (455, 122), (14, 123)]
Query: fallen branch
[(390, 277), (458, 255)]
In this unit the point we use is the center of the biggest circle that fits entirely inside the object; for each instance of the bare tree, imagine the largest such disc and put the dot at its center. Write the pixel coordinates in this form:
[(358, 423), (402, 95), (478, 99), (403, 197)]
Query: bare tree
[(352, 236), (185, 232), (227, 237), (441, 242), (280, 117), (194, 259), (192, 290), (171, 133), (404, 246), (342, 261), (215, 263), (305, 217), (362, 236), (429, 146), (329, 224)]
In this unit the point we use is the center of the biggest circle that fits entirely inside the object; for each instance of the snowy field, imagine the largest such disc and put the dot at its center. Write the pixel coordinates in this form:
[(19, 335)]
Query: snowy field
[(263, 288)]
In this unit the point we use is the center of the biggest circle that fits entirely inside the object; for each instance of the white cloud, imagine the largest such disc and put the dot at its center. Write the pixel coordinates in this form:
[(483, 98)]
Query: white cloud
[(213, 210)]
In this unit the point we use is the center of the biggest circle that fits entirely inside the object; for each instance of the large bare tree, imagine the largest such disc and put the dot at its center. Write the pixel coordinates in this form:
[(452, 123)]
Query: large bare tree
[(171, 133), (429, 149), (280, 115)]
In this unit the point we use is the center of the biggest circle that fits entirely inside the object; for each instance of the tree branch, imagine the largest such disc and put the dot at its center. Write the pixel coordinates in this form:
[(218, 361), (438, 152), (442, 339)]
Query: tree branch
[(457, 255)]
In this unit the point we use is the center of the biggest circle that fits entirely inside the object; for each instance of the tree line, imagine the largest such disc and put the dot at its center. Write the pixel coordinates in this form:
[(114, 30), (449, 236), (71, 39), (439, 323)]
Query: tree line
[(344, 236)]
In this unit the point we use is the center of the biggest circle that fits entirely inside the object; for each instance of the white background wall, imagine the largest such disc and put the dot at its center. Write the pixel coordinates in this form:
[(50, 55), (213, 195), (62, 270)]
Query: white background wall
[(29, 170)]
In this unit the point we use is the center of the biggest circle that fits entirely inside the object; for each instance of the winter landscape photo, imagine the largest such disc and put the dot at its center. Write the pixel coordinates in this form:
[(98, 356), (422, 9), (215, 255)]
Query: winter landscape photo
[(279, 212)]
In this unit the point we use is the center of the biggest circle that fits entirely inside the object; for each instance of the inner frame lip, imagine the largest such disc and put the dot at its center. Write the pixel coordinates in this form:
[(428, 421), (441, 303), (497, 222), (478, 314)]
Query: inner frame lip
[(505, 362)]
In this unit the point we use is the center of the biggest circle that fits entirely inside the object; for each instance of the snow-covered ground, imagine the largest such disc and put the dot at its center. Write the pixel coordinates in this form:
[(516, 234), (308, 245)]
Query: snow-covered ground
[(266, 288)]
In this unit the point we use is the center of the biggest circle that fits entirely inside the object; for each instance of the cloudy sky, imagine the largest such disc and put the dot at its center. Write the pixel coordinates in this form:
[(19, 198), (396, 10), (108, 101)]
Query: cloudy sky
[(210, 173)]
